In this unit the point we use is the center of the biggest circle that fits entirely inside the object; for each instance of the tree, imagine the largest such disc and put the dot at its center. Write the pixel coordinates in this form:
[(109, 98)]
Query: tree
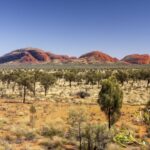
[(6, 78), (70, 76), (99, 77), (134, 75), (145, 75), (46, 81), (91, 77), (110, 100), (13, 78), (76, 118), (79, 78), (25, 80), (121, 76), (36, 77), (58, 74)]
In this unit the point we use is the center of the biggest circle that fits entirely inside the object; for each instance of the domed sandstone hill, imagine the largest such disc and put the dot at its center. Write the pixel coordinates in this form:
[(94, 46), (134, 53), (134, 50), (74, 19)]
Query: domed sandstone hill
[(32, 55), (99, 57), (137, 59)]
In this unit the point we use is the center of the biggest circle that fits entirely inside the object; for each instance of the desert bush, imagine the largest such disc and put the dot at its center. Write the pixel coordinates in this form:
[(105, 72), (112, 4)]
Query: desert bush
[(97, 137), (51, 131), (55, 142), (76, 119), (148, 132), (30, 135), (32, 115), (53, 128), (83, 94), (147, 117), (22, 132), (146, 114)]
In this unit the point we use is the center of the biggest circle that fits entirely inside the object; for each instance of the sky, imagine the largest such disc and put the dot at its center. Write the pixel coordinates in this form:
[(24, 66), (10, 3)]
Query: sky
[(75, 27)]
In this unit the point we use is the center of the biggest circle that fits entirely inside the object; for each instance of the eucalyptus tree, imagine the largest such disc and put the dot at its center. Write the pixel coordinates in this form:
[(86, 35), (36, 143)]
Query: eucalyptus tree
[(46, 81), (58, 74), (13, 78), (110, 100), (36, 75), (145, 75), (99, 76), (1, 76), (6, 78), (121, 76), (90, 78), (25, 80), (134, 75), (107, 74), (79, 78), (70, 76)]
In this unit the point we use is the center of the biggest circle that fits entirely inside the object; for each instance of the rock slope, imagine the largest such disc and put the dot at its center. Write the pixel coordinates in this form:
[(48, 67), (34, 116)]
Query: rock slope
[(36, 55), (137, 59)]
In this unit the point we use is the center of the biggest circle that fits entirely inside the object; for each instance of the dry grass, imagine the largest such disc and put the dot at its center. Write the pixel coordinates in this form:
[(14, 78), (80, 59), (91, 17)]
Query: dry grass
[(17, 133)]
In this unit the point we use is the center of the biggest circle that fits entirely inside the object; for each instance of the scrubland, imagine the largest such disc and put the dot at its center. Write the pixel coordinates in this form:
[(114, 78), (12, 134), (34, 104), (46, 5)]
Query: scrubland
[(68, 114)]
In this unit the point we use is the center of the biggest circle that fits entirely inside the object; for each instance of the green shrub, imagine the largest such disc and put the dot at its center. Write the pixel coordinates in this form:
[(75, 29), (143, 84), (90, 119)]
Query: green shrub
[(30, 135), (97, 137), (53, 128), (147, 113)]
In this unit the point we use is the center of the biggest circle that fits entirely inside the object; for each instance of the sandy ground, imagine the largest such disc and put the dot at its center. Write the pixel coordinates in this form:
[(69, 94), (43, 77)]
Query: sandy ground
[(15, 116), (133, 93)]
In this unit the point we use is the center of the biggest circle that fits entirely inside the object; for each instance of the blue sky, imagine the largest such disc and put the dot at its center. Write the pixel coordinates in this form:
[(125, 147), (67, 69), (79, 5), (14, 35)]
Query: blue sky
[(74, 27)]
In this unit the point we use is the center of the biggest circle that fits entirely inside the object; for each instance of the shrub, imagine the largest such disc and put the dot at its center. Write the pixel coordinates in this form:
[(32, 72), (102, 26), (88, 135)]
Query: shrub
[(148, 132), (54, 143), (83, 94), (30, 135), (147, 113), (53, 128), (97, 137), (22, 132), (32, 115)]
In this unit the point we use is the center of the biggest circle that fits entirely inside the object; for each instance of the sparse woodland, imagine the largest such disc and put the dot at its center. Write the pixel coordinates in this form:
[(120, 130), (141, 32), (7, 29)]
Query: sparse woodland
[(71, 109)]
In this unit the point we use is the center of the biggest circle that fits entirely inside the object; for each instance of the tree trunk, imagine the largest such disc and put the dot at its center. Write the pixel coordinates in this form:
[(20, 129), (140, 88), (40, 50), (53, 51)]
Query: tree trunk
[(148, 82), (13, 88), (70, 84), (80, 138), (24, 94), (98, 84), (34, 91), (45, 91), (109, 119), (89, 143)]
